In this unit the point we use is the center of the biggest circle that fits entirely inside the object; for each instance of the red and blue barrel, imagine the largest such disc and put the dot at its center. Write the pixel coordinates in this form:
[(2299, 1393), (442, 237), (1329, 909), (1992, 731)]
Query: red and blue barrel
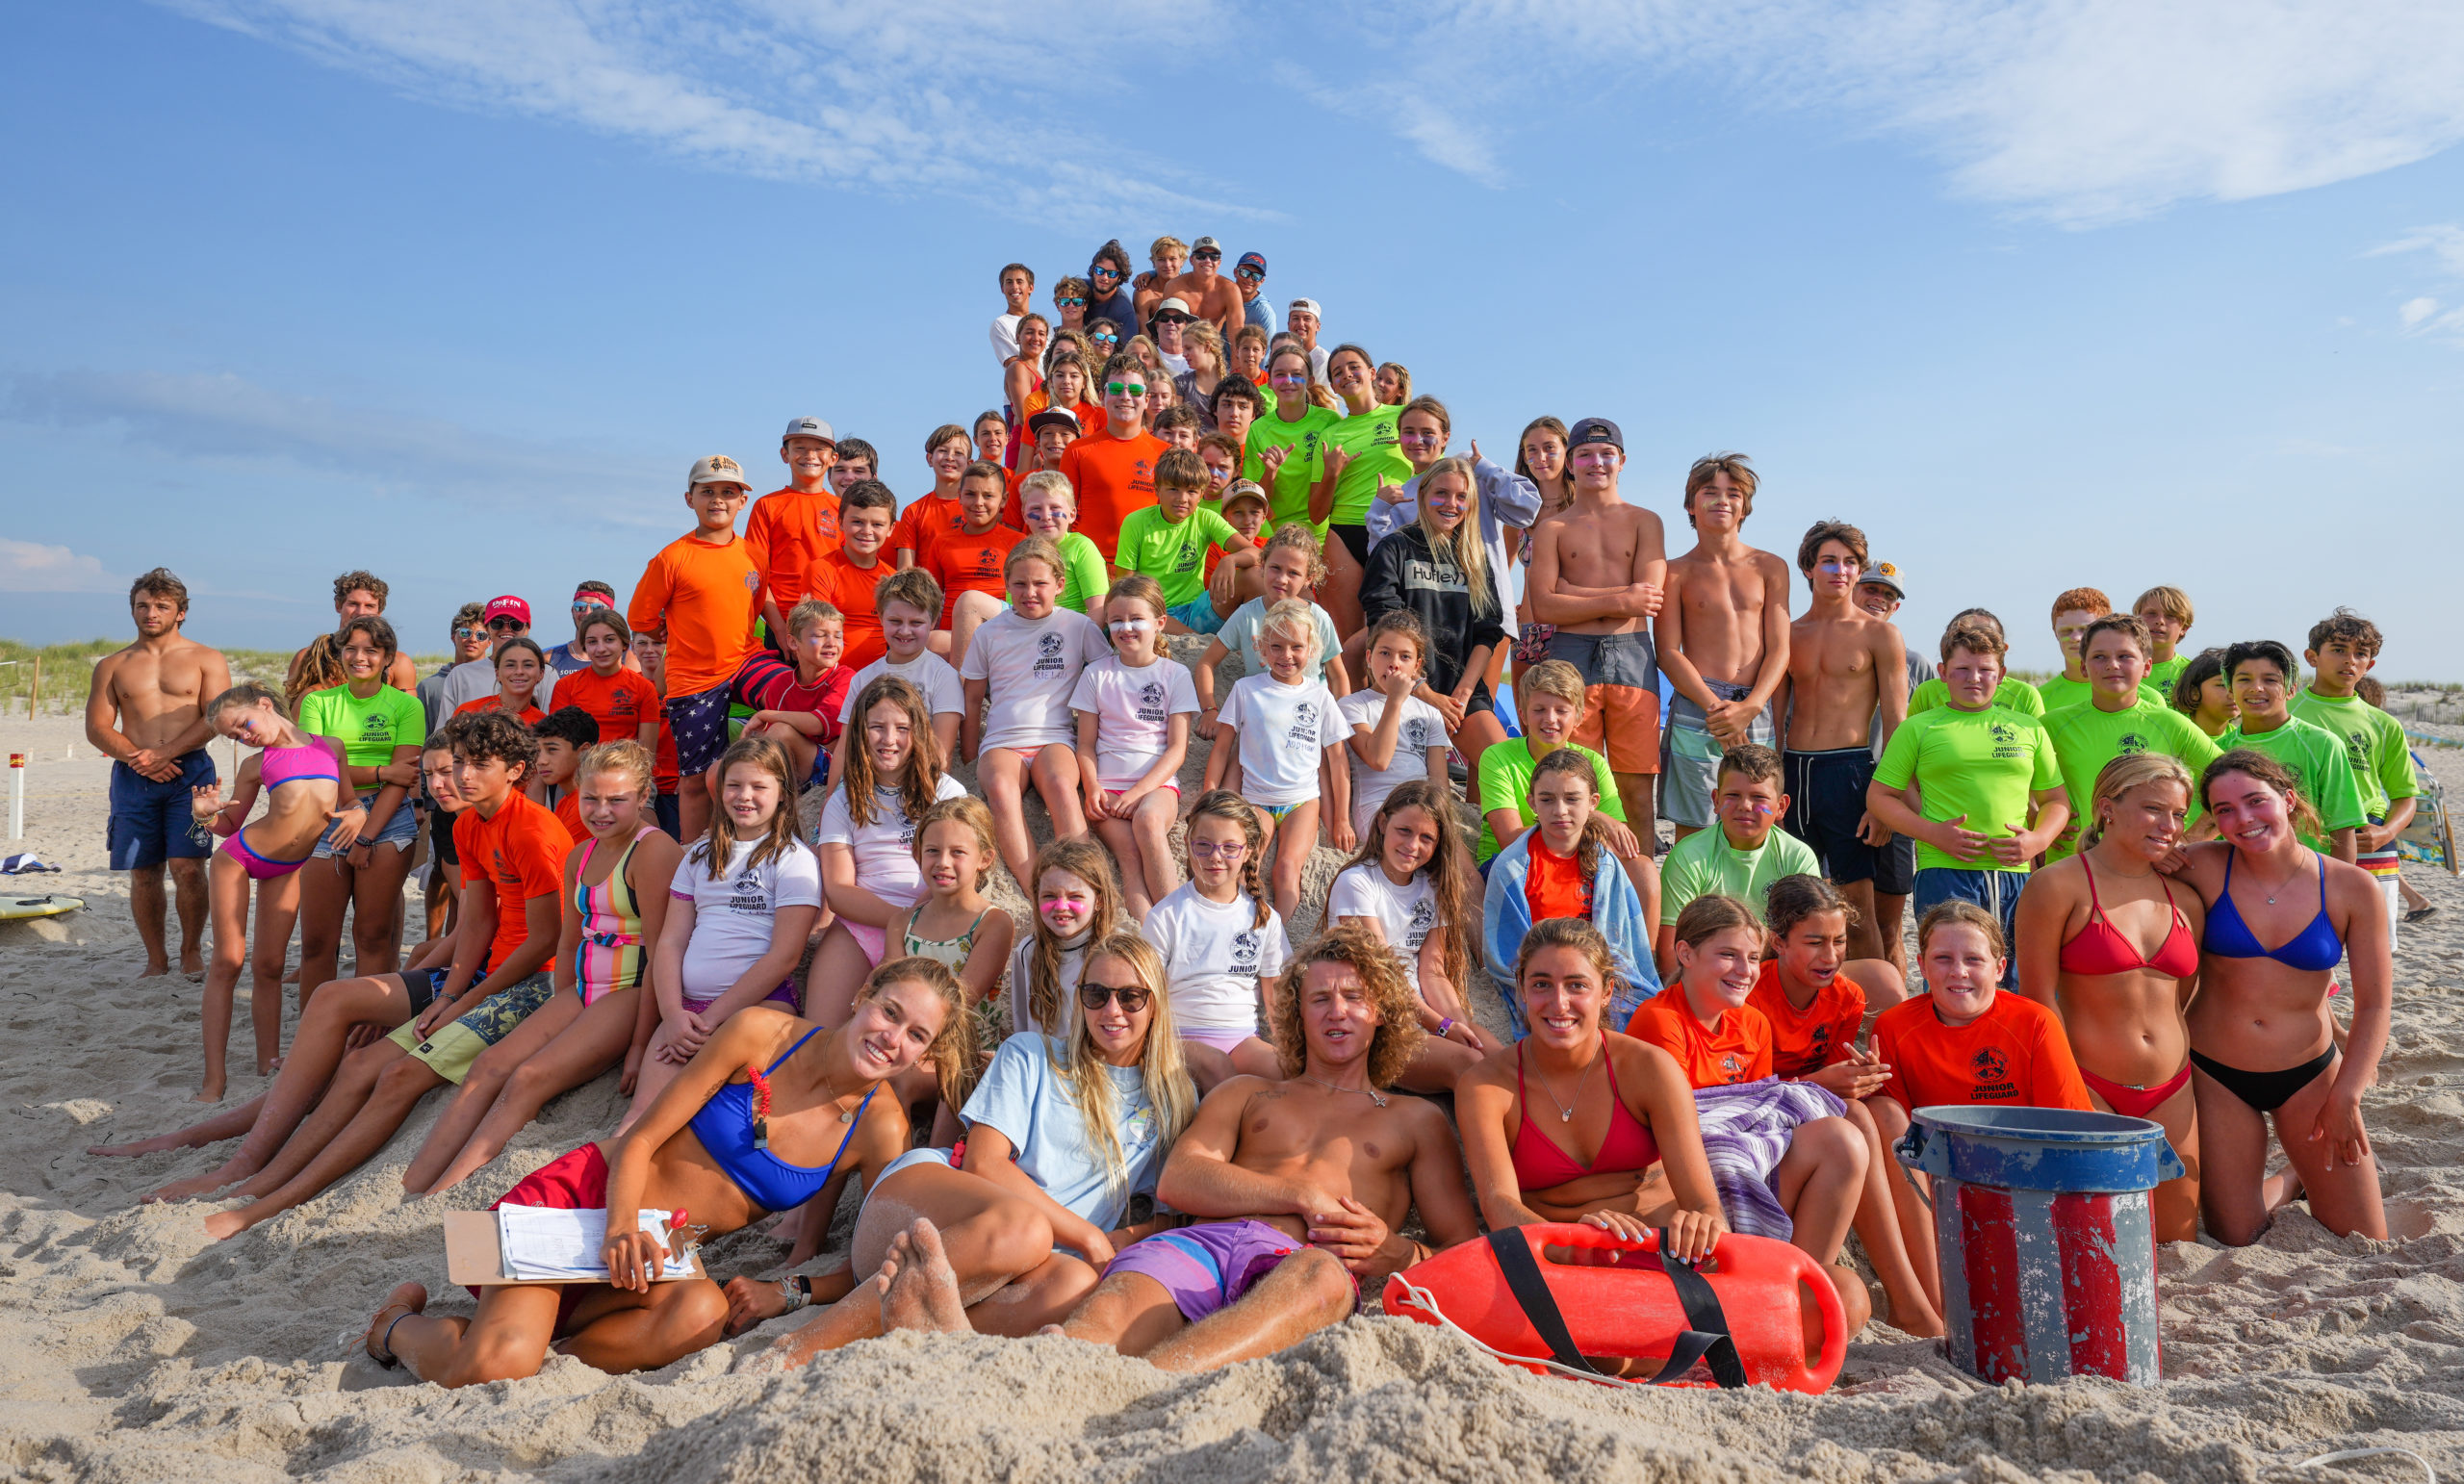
[(2041, 1216)]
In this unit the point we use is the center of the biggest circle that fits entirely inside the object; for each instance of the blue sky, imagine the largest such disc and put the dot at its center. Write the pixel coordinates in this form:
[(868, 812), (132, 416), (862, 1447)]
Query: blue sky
[(2040, 293)]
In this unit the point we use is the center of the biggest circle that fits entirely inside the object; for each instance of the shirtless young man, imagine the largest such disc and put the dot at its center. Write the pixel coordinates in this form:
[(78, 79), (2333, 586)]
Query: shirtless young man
[(1298, 1185), (1879, 594), (1598, 570), (1847, 676), (146, 714), (1208, 291), (1722, 634), (360, 595)]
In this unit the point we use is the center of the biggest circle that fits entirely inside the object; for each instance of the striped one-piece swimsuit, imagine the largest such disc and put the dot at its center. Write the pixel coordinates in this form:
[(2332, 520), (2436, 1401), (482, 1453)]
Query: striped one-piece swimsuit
[(610, 957)]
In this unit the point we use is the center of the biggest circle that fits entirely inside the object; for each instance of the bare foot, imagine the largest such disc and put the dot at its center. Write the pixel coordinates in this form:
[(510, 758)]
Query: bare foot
[(924, 1294), (155, 1145), (211, 1092), (223, 1225), (408, 1298), (197, 1185), (292, 977), (155, 970), (192, 964)]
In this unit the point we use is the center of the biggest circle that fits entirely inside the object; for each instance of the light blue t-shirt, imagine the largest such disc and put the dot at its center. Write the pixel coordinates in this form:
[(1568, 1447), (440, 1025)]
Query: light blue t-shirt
[(1026, 1098), (1240, 635)]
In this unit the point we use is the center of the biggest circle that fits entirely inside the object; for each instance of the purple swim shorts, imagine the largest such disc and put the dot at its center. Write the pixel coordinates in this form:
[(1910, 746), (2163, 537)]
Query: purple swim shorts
[(1208, 1266)]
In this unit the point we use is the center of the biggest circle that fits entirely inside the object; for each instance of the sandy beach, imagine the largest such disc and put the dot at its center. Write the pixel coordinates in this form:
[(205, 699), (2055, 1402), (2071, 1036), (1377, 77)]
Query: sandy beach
[(133, 1349)]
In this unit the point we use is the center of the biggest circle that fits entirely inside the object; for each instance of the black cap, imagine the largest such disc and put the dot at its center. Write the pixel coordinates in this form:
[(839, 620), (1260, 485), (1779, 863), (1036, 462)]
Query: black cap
[(1594, 431), (1053, 417)]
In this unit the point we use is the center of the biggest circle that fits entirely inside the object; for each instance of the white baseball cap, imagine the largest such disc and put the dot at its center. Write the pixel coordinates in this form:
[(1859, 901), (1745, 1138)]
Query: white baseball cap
[(1304, 307), (809, 428)]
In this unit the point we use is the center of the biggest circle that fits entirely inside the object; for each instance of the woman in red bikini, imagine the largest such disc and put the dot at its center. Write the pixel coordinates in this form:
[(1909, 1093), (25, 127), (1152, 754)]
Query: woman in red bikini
[(2111, 946), (1567, 1124)]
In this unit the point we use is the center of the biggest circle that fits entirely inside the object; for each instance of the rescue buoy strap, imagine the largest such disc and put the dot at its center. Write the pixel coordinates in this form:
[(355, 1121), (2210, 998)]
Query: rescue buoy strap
[(1710, 1325), (1522, 1273)]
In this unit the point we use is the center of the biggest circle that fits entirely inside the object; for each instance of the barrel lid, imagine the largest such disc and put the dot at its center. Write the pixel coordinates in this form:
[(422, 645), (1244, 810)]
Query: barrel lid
[(2039, 1148), (2052, 1125)]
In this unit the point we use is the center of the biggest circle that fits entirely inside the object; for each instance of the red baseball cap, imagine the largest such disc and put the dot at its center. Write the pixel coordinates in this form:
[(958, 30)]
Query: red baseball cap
[(507, 606)]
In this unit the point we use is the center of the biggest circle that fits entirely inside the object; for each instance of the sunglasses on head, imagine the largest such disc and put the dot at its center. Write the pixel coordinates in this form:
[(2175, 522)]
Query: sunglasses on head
[(1133, 998)]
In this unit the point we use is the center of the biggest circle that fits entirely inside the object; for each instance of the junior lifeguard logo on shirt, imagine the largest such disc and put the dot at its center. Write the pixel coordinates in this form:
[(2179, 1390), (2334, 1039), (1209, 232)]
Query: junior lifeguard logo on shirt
[(2130, 742), (1304, 727), (1244, 952), (1414, 737), (1424, 917), (748, 897), (1994, 1082), (1732, 1065), (1150, 703), (1048, 654), (2006, 738)]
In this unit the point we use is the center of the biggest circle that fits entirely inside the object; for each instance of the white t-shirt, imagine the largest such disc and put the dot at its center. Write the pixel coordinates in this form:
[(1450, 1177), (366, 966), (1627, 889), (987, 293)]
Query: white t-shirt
[(473, 679), (1005, 337), (1283, 730), (734, 916), (1422, 728), (1405, 914), (1214, 956), (1133, 711), (1032, 666), (885, 850), (928, 672), (1073, 961)]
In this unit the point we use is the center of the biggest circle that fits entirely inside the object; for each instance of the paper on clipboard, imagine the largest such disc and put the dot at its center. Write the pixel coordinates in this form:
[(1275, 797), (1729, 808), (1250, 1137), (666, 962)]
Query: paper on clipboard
[(475, 1258)]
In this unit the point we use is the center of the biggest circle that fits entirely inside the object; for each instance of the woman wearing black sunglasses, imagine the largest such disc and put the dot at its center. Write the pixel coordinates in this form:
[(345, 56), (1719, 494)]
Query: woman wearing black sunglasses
[(1024, 1214)]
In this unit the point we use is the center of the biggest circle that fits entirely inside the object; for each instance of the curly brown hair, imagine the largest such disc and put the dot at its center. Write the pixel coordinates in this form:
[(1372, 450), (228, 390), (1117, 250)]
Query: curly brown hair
[(1399, 1034)]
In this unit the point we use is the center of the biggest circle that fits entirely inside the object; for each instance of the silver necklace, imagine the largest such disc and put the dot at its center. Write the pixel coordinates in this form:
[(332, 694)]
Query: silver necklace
[(1566, 1113), (1369, 1093)]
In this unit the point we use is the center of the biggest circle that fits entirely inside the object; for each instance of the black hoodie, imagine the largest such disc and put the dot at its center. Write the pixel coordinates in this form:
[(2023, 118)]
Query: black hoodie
[(1404, 571)]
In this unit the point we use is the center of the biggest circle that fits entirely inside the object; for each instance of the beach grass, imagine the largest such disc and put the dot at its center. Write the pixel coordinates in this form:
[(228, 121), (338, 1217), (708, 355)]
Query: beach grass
[(67, 671)]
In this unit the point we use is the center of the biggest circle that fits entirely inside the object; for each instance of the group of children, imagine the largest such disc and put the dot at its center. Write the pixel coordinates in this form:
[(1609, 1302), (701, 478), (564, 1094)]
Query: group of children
[(622, 813)]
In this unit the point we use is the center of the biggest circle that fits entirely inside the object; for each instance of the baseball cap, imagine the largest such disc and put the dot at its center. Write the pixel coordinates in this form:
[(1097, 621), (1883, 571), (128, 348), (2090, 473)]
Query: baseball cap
[(1205, 245), (507, 606), (1053, 417), (718, 468), (1242, 489), (1173, 306), (1596, 431), (1883, 575), (1304, 307), (1255, 260), (809, 428)]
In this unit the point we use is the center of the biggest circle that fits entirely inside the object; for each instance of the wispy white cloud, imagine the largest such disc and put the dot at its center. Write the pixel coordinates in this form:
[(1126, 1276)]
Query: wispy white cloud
[(33, 567), (919, 96), (231, 418), (2423, 315), (2080, 112)]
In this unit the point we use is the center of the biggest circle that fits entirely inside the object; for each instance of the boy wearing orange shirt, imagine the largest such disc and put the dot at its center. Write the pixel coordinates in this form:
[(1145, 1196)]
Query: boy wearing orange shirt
[(946, 451), (846, 577), (796, 524), (968, 559), (1114, 471), (704, 591), (564, 736)]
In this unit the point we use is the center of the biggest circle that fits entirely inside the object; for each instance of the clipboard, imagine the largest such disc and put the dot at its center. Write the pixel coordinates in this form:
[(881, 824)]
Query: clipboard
[(473, 1258)]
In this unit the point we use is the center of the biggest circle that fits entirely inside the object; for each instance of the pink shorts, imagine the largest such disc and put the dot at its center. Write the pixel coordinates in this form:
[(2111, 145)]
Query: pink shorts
[(1221, 1040), (872, 941)]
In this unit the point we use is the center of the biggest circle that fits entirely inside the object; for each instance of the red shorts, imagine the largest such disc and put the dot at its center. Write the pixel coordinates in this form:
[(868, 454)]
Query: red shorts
[(577, 1181)]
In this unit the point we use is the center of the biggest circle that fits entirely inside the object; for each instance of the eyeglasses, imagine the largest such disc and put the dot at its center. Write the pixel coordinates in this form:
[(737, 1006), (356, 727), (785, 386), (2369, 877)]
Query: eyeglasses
[(1230, 850), (1125, 389), (1133, 998), (1071, 303)]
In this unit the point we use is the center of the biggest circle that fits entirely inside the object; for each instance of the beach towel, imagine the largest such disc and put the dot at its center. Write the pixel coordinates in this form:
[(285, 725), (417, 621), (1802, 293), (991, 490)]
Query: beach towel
[(1746, 1129)]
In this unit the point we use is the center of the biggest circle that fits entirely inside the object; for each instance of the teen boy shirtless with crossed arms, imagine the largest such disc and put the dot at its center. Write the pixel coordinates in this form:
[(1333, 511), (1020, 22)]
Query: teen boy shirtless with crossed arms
[(1598, 569), (1722, 635)]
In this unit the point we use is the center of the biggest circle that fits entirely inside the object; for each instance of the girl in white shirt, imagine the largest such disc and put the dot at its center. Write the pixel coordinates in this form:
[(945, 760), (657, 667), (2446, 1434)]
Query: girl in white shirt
[(1413, 887), (740, 909), (1026, 661), (1077, 901), (867, 838), (1133, 707), (1221, 941), (1395, 737), (1277, 730)]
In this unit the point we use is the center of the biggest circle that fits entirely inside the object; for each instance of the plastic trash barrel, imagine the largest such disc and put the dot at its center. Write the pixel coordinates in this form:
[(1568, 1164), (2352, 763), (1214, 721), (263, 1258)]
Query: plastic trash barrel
[(2040, 1217)]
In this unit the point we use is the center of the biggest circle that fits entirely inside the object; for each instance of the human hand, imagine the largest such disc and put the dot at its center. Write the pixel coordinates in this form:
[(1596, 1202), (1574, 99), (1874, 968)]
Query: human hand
[(433, 1018), (1336, 460), (750, 1302), (690, 1032), (1463, 1033), (205, 801), (1395, 687), (1093, 1243), (1270, 461), (2339, 1127), (1954, 837), (633, 1258), (1351, 1231), (1449, 708), (346, 822), (1856, 1079), (1873, 832), (1693, 1234), (2014, 852), (1623, 1224), (1644, 599), (361, 1034), (406, 774), (1622, 843), (1340, 832), (632, 1073)]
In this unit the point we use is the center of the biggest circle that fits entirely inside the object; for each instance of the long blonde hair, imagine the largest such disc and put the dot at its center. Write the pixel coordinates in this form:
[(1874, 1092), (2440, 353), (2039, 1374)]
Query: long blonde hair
[(1081, 858), (1161, 1063), (1462, 545), (2122, 775), (955, 1064)]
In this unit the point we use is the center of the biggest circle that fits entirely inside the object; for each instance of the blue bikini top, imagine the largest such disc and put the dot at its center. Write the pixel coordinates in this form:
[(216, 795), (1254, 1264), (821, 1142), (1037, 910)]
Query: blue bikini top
[(726, 1127), (2315, 949)]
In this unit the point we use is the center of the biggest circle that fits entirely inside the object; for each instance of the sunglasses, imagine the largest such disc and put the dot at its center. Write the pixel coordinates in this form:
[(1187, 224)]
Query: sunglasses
[(1104, 338), (1172, 318), (1248, 275), (1071, 303), (1125, 389), (1133, 998), (1206, 257), (1103, 273), (507, 626), (468, 633)]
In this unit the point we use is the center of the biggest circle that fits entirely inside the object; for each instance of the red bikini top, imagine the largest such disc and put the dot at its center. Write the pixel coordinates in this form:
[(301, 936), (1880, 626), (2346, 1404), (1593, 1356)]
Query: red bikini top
[(1541, 1163), (2101, 948)]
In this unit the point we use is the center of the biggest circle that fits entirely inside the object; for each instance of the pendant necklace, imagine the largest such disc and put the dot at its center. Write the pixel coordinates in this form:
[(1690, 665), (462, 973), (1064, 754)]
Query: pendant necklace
[(1566, 1113), (1369, 1093)]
